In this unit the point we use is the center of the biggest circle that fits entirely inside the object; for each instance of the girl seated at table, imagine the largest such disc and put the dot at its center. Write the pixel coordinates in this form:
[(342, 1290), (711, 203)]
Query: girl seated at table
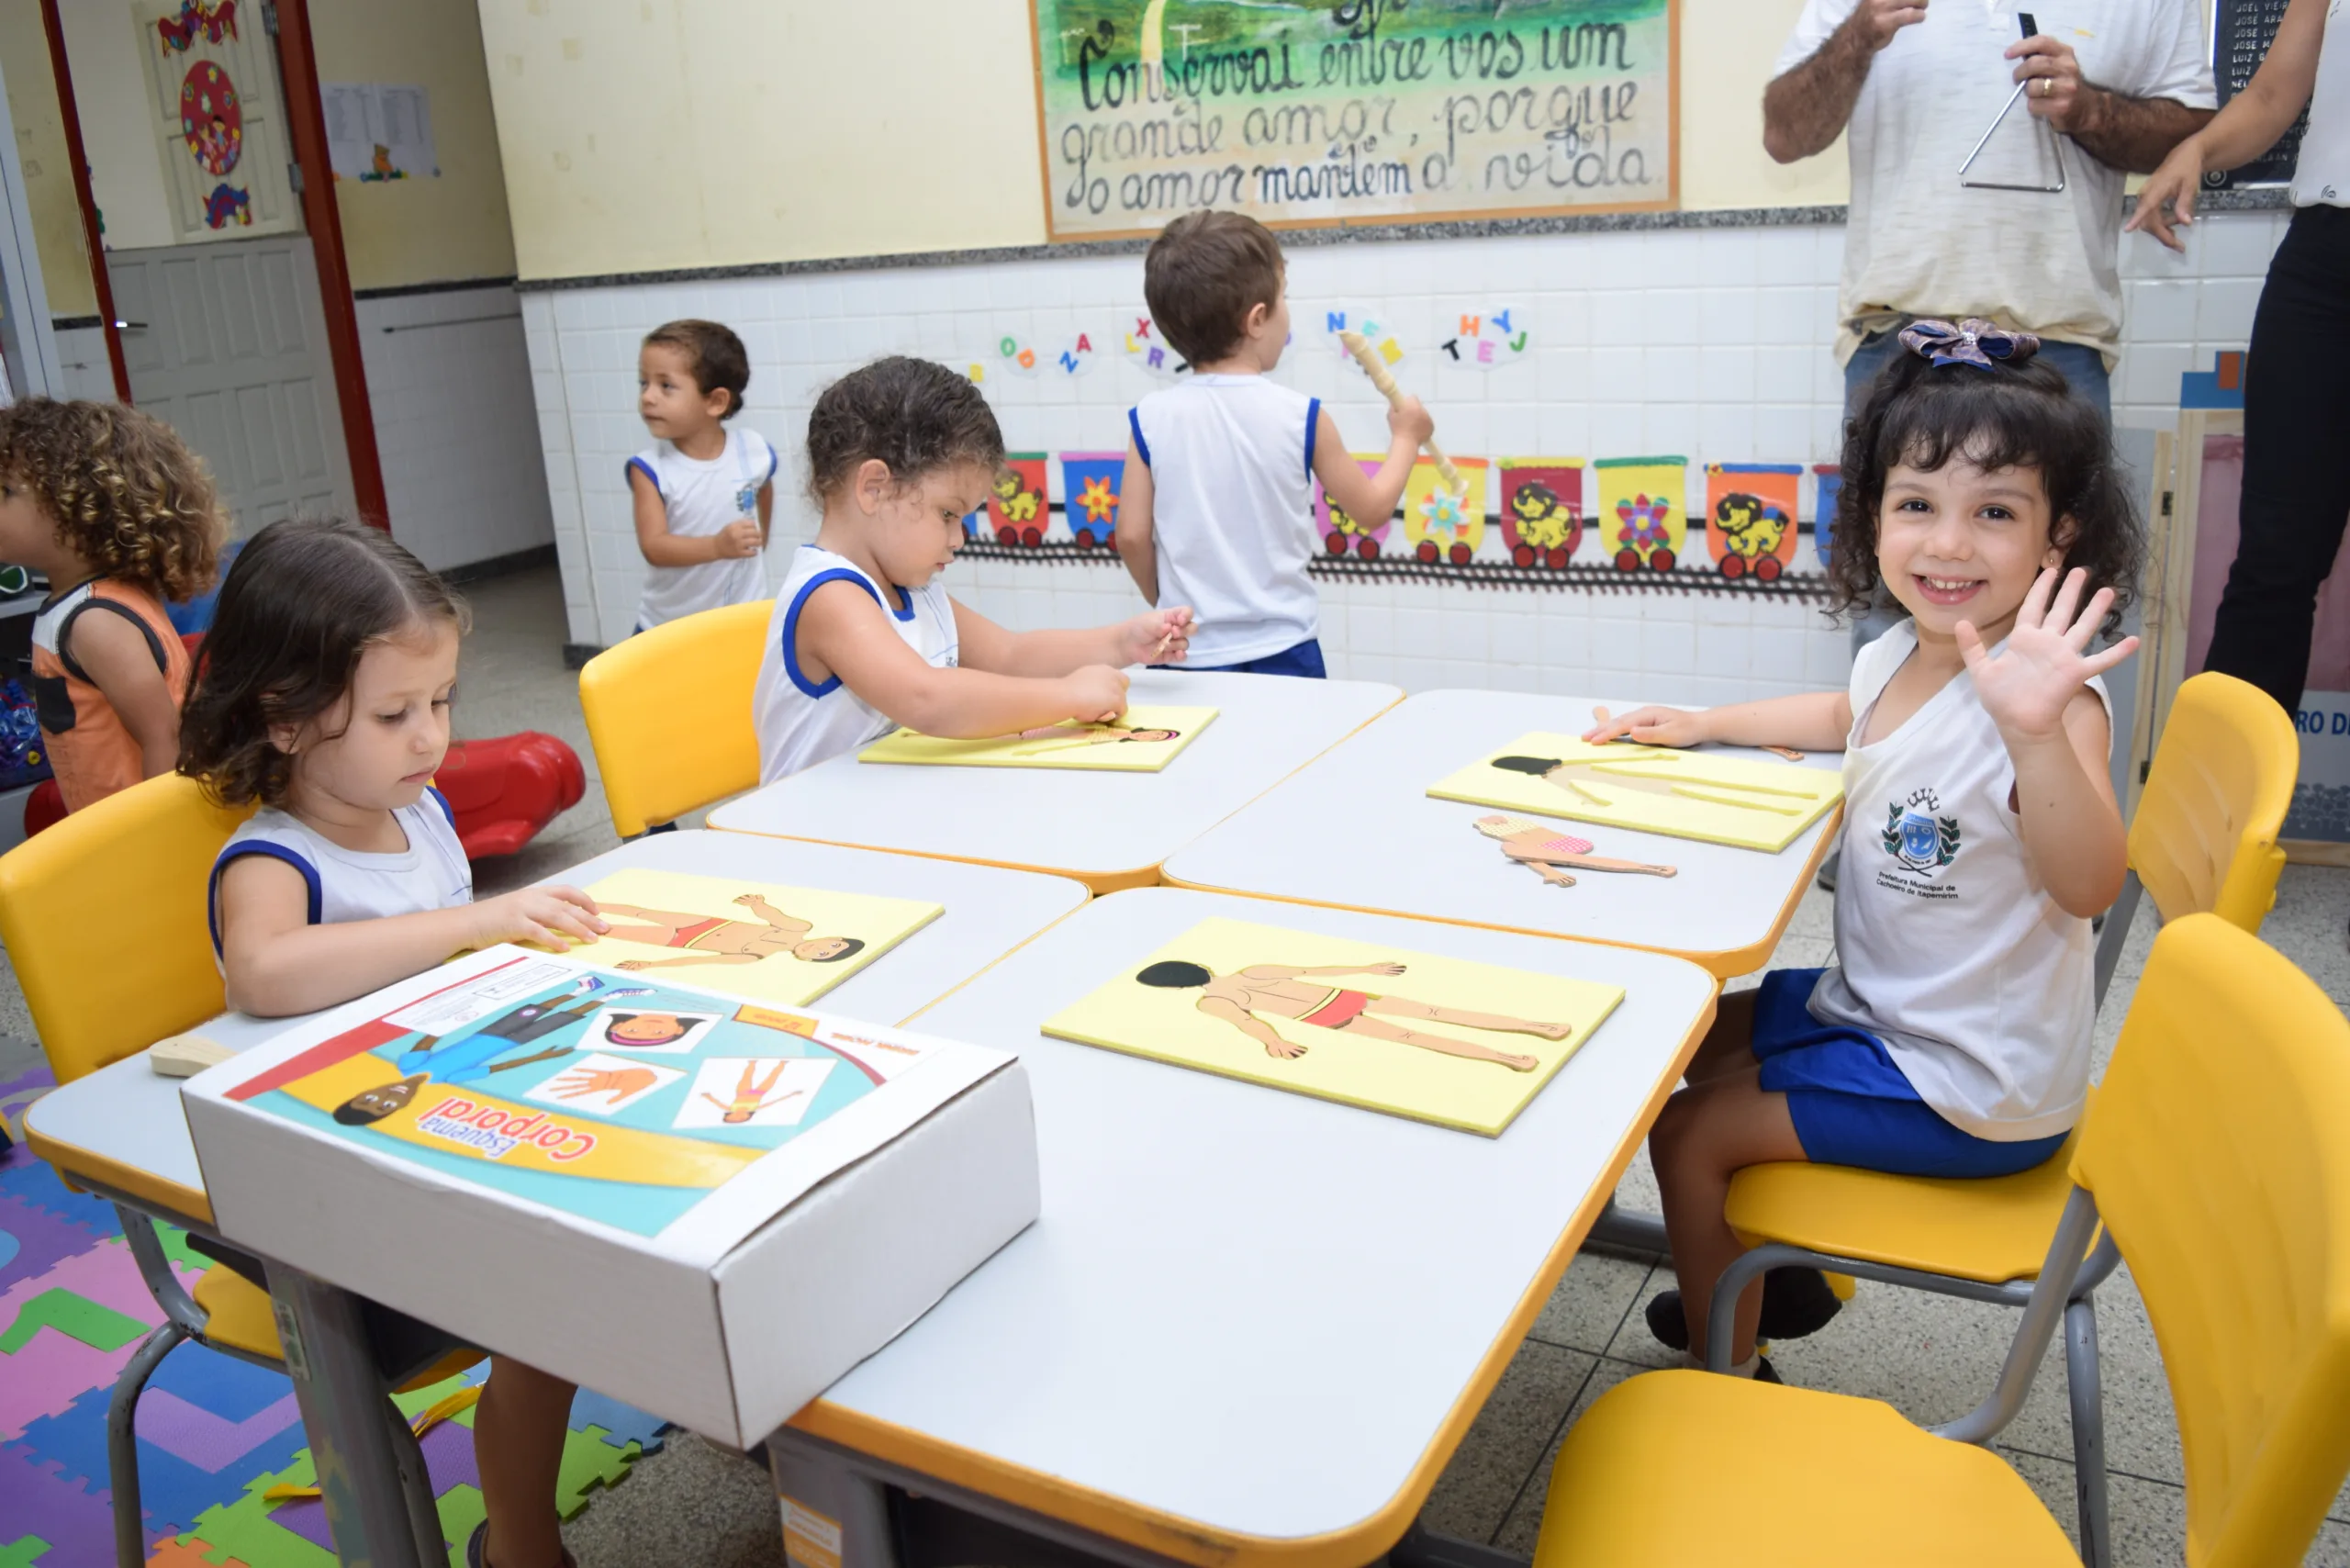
[(1981, 832), (865, 637), (323, 696)]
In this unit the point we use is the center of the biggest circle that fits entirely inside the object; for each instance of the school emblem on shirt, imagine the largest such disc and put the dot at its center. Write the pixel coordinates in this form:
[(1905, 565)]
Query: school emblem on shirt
[(1917, 836), (745, 499)]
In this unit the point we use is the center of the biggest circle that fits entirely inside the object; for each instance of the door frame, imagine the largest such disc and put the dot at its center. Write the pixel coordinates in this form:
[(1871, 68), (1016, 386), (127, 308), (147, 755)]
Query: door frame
[(288, 23)]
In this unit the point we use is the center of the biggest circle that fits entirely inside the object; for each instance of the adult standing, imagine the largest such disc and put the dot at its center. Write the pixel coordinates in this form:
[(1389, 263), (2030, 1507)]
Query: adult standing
[(2297, 377)]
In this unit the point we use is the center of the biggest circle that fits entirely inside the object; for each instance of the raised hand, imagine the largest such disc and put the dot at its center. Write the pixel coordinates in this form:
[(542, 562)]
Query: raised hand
[(1647, 727), (2027, 685), (2176, 183)]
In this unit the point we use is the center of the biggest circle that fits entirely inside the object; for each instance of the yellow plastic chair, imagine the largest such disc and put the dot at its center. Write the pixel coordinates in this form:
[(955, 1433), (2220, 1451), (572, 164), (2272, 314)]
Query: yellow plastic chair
[(2217, 1157), (669, 715), (106, 976), (2205, 839)]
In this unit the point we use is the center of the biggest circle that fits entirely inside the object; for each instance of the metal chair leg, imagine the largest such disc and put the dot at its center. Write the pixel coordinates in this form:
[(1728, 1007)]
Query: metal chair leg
[(416, 1484), (122, 1444), (2086, 1394)]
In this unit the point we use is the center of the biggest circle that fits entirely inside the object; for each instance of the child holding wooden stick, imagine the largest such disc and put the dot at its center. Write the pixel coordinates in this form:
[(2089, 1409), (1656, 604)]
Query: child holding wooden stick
[(1216, 509)]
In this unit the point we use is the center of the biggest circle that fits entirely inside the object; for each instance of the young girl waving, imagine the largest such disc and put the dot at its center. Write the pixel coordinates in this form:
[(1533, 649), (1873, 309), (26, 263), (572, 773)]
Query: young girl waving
[(865, 639), (324, 695), (1981, 832)]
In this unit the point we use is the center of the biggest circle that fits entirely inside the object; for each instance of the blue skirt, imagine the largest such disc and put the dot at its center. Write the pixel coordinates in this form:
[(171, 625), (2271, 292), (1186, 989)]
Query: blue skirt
[(1853, 1106), (1305, 659)]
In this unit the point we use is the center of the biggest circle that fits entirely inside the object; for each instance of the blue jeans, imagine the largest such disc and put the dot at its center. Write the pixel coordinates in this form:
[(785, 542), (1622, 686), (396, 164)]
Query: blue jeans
[(1305, 659)]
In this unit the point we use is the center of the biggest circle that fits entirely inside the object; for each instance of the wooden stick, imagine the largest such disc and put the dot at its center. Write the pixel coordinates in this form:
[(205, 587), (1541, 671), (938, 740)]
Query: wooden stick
[(1376, 368)]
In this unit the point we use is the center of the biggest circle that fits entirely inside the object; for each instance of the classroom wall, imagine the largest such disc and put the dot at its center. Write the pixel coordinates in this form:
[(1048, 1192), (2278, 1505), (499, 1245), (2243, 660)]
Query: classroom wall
[(40, 148), (754, 132)]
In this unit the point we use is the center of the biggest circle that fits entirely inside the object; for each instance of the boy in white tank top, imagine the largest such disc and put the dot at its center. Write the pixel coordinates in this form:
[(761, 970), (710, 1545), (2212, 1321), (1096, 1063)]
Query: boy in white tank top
[(703, 494), (1215, 510), (864, 637), (1980, 834)]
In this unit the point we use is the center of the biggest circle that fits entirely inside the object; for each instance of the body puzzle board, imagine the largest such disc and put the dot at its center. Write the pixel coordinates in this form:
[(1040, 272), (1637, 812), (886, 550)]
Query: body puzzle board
[(1343, 1020), (1685, 794), (782, 945), (1143, 741), (591, 1091)]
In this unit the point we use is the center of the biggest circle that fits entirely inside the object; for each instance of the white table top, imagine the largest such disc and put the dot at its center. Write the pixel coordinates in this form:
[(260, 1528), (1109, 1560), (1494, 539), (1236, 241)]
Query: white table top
[(1358, 829), (1093, 825), (124, 1114), (1267, 1315)]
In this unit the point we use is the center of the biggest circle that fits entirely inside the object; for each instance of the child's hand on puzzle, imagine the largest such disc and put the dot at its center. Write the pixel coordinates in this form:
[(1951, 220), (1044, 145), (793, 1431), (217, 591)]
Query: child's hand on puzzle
[(737, 539), (1408, 420), (2027, 685), (554, 916), (1155, 637), (1647, 727), (1096, 694)]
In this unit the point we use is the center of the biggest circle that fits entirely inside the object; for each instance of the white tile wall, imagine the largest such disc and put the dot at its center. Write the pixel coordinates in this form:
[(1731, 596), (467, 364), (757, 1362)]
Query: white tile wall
[(1708, 342)]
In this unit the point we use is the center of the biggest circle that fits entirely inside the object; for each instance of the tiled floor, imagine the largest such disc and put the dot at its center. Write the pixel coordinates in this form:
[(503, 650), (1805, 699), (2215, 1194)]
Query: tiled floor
[(1930, 1356)]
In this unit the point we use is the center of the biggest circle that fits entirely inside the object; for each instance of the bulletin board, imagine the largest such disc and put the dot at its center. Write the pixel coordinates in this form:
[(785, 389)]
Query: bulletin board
[(1353, 111)]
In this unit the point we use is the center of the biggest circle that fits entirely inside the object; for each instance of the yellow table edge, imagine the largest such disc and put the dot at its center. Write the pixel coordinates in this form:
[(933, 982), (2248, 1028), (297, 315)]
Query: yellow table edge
[(1727, 964), (72, 1160), (1187, 1540)]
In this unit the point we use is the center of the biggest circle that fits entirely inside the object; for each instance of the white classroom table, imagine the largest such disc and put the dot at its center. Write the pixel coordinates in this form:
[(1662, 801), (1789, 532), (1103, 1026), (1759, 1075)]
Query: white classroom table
[(1249, 1326), (121, 1126), (1357, 829), (1109, 830)]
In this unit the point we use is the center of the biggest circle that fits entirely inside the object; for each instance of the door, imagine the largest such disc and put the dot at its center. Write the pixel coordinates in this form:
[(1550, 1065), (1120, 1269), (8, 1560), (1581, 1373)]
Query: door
[(226, 342)]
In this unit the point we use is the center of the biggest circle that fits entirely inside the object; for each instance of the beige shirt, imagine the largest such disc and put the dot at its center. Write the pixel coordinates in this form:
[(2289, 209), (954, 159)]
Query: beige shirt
[(1918, 243)]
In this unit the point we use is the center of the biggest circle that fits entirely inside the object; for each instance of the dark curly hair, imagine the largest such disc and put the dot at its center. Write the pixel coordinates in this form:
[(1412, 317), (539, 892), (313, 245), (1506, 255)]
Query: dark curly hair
[(305, 599), (125, 493), (2015, 416), (719, 360), (912, 414), (1203, 274)]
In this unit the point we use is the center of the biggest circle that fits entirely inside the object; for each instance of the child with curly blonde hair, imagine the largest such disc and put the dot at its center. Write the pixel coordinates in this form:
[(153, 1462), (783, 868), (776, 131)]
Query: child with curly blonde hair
[(120, 517)]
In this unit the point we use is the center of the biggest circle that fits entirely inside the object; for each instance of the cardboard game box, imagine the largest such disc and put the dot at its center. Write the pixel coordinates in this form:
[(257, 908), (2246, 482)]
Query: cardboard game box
[(707, 1206)]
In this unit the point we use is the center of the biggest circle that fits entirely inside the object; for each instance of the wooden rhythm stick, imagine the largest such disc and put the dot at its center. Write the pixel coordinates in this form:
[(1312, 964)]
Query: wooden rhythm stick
[(1376, 368)]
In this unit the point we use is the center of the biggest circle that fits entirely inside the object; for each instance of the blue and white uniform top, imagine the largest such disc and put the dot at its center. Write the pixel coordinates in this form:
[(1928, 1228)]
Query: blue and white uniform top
[(1231, 461), (801, 722), (347, 884), (700, 498), (1952, 951)]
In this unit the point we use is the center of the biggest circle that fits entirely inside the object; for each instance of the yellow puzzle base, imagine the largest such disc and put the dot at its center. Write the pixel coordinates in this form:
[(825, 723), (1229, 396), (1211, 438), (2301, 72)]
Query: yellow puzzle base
[(1144, 741), (1685, 794)]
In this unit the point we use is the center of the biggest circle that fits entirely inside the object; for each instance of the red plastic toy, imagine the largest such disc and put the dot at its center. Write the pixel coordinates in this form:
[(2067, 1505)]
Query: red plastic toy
[(504, 790)]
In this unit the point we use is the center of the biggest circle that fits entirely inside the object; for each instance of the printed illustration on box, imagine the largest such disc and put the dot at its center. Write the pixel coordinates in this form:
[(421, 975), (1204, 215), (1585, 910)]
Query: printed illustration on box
[(1827, 494), (1090, 480), (1462, 1044), (1645, 524), (1016, 503), (1340, 529), (1541, 508), (1488, 340), (490, 1080), (1142, 740), (1750, 517), (211, 122), (1545, 851), (782, 945), (1439, 524), (1684, 794)]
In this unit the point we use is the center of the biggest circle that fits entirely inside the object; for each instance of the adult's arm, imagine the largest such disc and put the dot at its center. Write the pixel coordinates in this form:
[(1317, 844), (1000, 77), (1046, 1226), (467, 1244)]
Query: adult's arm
[(2248, 126), (1805, 109), (2131, 132)]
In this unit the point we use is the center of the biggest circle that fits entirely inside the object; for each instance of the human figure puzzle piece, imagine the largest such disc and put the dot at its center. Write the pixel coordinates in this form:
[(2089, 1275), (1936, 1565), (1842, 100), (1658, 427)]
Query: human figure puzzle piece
[(713, 939), (1283, 990), (1544, 850)]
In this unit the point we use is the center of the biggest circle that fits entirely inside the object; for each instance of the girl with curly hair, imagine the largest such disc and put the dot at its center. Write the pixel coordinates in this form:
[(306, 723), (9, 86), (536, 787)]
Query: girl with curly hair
[(120, 518), (1981, 832)]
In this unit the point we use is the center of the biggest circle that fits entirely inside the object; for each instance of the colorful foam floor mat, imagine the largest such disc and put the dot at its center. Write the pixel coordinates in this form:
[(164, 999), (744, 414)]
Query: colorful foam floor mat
[(216, 1435)]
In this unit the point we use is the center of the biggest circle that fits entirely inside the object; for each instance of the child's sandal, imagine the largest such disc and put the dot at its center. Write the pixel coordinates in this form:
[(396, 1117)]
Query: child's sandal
[(478, 1548)]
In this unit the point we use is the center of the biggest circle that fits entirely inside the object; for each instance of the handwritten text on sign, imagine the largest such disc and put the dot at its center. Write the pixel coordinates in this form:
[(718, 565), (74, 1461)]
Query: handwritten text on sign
[(1321, 110)]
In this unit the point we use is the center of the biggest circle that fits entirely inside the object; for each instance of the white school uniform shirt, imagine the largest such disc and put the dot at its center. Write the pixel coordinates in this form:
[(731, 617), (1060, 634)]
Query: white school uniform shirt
[(1231, 461), (1918, 242), (700, 498), (346, 884), (1952, 951), (2322, 176), (801, 722)]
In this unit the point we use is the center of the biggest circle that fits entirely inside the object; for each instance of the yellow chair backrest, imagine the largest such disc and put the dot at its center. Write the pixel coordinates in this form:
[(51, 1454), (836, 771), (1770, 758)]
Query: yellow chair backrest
[(2219, 1150), (2205, 837), (103, 917), (669, 715)]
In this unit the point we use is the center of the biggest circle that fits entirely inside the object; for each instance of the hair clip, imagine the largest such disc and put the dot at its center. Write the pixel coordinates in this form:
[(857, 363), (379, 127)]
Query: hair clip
[(1973, 341)]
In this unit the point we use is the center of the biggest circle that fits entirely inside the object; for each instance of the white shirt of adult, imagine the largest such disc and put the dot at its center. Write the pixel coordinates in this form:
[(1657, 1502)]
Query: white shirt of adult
[(2322, 177), (801, 722), (349, 884), (1920, 244), (1231, 461), (1952, 953), (700, 496)]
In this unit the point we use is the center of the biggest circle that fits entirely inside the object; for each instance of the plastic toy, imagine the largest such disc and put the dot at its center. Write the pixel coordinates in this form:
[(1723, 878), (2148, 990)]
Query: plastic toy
[(504, 790)]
